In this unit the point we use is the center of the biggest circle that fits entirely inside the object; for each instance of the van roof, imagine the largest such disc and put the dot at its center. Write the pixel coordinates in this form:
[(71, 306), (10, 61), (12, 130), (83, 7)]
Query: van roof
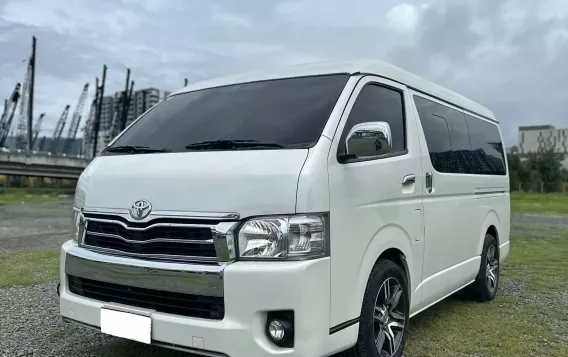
[(374, 67)]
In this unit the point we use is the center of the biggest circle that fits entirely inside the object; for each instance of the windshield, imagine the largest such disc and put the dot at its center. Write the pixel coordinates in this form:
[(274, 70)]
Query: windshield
[(267, 115)]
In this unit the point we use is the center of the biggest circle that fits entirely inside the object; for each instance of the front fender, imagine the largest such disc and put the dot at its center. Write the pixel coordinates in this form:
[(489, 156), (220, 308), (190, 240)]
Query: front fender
[(388, 237)]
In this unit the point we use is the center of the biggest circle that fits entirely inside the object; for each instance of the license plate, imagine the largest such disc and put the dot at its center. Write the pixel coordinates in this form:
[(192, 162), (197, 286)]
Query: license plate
[(126, 325)]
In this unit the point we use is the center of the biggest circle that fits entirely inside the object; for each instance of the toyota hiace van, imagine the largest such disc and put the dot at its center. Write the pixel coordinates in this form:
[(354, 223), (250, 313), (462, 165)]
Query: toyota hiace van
[(299, 212)]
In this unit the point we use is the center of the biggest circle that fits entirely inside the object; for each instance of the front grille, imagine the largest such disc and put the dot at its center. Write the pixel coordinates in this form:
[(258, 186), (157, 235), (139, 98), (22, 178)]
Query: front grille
[(207, 307), (160, 238)]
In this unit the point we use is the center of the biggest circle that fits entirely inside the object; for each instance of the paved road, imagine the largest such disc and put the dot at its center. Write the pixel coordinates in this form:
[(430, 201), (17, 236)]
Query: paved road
[(40, 226)]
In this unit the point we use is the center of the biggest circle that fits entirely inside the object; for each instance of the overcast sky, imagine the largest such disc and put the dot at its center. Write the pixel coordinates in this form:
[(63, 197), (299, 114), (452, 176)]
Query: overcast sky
[(511, 56)]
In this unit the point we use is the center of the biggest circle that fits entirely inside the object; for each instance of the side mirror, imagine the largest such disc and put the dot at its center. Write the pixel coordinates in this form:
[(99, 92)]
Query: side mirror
[(368, 140)]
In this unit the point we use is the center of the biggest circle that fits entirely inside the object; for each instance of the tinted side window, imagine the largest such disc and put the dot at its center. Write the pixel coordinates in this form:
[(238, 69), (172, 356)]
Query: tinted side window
[(437, 133), (461, 146), (487, 147), (377, 103)]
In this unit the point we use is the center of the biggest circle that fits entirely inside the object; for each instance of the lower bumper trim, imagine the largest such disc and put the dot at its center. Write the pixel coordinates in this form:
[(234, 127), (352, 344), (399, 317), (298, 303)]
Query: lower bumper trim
[(156, 343), (343, 325)]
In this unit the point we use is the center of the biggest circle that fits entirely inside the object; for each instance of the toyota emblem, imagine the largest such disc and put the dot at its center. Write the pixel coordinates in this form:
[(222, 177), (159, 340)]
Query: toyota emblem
[(140, 209)]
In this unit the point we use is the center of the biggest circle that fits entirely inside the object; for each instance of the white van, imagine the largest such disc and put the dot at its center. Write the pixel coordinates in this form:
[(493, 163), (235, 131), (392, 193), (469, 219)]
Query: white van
[(301, 212)]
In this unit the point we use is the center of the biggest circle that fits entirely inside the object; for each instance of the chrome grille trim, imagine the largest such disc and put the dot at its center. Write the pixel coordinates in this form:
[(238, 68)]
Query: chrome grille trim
[(130, 228), (153, 240), (222, 236)]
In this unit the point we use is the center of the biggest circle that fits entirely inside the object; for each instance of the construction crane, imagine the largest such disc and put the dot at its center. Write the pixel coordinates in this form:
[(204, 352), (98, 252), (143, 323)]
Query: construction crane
[(76, 119), (24, 132), (22, 127), (98, 112), (88, 128), (8, 116), (5, 109), (41, 144), (59, 129), (37, 128)]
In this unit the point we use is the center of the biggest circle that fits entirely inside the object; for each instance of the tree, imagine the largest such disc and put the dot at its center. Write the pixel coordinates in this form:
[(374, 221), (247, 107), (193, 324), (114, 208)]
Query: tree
[(543, 167)]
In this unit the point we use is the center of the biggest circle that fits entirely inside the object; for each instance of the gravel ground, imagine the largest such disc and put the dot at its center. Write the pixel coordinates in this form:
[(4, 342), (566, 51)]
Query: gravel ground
[(30, 326), (531, 220), (29, 316)]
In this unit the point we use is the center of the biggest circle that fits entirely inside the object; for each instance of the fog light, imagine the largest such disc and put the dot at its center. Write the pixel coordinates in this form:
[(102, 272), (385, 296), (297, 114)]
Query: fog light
[(276, 330), (280, 328)]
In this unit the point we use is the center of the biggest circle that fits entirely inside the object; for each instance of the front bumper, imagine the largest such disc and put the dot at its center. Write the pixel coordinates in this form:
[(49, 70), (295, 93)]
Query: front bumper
[(250, 290)]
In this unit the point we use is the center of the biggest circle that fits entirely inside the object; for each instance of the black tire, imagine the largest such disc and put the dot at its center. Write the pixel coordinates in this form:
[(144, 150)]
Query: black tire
[(385, 274), (485, 288)]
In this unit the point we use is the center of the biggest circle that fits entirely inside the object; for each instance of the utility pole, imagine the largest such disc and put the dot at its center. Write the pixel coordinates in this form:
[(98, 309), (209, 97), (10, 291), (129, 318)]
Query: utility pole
[(31, 97), (130, 92), (99, 112)]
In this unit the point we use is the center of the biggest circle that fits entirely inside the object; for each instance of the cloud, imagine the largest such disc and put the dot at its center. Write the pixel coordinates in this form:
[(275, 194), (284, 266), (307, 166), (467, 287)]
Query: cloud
[(403, 17), (508, 55)]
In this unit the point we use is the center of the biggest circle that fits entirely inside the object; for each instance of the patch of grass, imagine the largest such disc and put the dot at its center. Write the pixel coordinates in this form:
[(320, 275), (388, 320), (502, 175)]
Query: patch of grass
[(539, 263), (532, 322), (33, 195), (29, 268), (457, 327), (540, 203)]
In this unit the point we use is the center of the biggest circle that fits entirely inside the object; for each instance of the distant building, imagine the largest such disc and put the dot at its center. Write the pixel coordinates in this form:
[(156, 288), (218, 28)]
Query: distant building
[(543, 137)]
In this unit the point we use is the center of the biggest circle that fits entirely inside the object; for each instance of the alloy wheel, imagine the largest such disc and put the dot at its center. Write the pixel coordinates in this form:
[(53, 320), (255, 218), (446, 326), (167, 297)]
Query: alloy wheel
[(389, 318), (492, 270)]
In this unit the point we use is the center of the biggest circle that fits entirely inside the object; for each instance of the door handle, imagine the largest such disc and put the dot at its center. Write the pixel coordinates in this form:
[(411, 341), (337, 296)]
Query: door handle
[(409, 179), (429, 182)]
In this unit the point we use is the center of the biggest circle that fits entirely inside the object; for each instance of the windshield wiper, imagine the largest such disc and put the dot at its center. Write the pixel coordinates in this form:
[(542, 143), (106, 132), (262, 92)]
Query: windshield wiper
[(130, 149), (232, 145)]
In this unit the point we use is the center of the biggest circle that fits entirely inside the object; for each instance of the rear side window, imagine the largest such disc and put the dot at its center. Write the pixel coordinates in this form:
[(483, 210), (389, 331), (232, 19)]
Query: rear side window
[(487, 147), (378, 103), (459, 143), (446, 136), (290, 113)]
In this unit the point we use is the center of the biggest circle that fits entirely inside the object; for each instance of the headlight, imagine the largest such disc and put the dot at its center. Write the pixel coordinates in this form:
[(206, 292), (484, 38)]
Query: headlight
[(77, 225), (284, 237)]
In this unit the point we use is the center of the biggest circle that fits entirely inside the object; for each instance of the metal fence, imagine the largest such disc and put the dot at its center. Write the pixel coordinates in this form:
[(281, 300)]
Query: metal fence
[(36, 185), (540, 187)]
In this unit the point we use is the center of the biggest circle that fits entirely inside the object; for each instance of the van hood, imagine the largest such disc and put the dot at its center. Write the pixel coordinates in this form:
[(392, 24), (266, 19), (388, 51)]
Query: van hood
[(252, 182)]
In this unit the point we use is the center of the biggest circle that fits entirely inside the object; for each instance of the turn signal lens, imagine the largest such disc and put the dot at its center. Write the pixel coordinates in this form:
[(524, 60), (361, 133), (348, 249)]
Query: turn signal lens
[(77, 225)]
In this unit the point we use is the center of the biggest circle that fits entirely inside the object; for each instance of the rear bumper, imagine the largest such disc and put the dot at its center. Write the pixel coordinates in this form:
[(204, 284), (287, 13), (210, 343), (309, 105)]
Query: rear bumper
[(250, 290)]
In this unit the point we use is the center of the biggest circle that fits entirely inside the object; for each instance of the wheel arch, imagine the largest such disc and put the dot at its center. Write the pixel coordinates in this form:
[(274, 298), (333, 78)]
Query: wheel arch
[(397, 256), (491, 225)]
